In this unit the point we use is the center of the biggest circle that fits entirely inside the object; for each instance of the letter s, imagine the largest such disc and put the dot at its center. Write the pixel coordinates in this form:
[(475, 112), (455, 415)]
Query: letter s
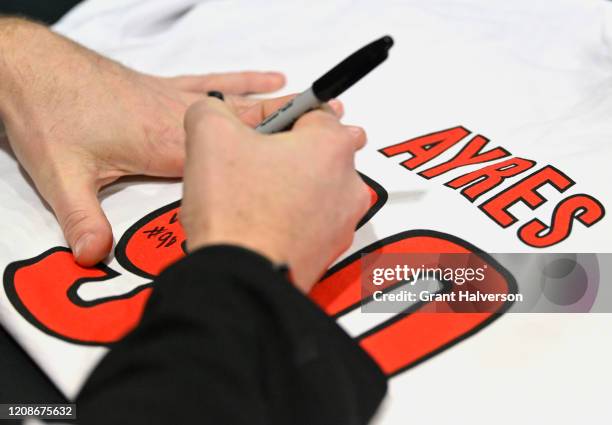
[(581, 207)]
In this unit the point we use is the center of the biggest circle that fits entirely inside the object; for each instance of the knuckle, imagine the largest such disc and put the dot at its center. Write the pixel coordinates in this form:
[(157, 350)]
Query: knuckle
[(319, 114), (73, 222), (366, 201), (347, 240), (334, 141), (358, 133), (325, 121), (363, 197)]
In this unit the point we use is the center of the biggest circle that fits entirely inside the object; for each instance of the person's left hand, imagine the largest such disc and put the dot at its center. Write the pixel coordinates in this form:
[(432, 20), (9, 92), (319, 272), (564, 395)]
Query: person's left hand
[(77, 121)]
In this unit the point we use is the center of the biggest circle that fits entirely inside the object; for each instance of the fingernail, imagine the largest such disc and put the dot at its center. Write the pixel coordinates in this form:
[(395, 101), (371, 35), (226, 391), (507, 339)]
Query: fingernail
[(81, 244)]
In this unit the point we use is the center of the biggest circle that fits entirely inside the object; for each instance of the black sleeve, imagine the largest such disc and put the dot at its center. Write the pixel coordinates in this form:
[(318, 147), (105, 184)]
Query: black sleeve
[(226, 339)]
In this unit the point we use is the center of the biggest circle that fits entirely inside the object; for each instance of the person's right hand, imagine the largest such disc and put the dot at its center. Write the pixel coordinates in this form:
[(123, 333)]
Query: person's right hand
[(294, 197)]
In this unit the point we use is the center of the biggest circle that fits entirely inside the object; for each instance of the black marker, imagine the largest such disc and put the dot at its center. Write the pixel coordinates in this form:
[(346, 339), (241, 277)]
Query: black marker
[(329, 86)]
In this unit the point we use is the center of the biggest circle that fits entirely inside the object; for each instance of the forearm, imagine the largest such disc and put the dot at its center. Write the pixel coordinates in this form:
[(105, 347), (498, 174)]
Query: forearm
[(16, 37), (8, 29), (228, 339)]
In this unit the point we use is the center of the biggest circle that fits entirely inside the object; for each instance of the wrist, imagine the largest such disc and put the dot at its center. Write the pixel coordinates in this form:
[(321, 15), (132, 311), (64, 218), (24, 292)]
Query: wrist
[(266, 247)]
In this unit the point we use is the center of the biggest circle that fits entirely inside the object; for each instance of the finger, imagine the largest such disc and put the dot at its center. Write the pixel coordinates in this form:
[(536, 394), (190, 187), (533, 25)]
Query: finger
[(317, 119), (82, 220), (232, 82), (358, 136), (239, 104), (335, 107), (189, 97), (257, 112), (261, 108), (250, 111), (254, 111)]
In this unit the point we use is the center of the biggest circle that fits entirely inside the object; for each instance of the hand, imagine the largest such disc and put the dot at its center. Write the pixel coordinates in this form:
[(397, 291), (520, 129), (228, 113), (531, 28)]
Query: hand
[(294, 197), (78, 121)]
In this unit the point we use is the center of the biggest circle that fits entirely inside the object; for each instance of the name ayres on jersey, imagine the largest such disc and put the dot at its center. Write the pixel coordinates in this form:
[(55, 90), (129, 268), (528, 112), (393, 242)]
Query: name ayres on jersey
[(580, 207)]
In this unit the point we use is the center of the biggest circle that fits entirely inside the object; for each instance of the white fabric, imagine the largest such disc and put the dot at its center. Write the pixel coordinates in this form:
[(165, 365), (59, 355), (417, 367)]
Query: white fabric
[(535, 77)]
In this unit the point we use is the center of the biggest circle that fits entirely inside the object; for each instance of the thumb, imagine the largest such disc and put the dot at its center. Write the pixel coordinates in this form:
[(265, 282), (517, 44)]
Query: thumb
[(210, 113), (83, 222)]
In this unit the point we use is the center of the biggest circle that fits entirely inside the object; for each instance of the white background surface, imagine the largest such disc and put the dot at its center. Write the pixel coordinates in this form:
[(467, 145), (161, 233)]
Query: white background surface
[(535, 77)]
